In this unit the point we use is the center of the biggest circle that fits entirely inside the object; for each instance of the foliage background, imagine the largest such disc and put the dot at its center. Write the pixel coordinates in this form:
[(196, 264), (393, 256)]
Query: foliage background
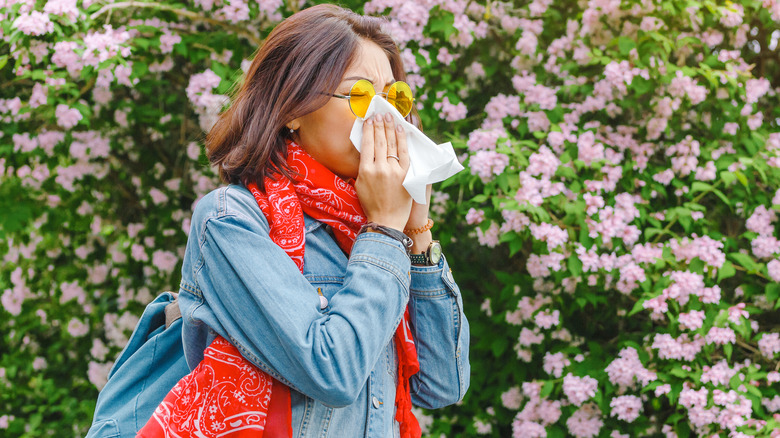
[(615, 235)]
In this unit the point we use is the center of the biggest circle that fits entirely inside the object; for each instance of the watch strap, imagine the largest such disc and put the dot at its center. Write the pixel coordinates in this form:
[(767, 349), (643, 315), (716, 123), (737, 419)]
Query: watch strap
[(419, 259), (405, 240)]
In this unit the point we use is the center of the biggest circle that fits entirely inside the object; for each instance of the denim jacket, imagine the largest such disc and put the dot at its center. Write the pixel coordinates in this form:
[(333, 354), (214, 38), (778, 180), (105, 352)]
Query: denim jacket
[(339, 362)]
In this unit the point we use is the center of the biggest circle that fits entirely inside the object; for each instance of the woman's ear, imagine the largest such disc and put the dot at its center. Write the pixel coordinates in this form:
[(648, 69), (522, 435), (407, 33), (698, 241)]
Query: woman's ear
[(294, 125)]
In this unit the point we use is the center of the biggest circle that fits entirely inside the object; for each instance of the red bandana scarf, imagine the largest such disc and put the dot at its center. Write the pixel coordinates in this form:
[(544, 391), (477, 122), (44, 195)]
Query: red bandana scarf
[(225, 395)]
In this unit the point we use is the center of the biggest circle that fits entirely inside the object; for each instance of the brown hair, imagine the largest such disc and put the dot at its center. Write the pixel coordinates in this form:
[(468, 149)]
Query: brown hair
[(305, 55)]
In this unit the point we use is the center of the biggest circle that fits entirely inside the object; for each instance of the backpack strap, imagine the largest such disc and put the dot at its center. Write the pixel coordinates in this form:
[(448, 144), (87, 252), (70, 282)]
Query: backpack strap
[(172, 311)]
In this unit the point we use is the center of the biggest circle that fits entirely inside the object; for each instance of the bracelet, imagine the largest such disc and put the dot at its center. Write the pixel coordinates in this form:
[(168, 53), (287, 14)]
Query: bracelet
[(420, 230)]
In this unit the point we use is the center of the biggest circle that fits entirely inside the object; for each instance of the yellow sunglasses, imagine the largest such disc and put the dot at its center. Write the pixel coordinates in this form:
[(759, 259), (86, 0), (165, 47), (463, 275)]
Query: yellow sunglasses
[(399, 94)]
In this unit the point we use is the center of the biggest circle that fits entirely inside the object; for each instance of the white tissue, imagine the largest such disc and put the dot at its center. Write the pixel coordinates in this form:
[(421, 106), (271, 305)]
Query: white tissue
[(428, 162)]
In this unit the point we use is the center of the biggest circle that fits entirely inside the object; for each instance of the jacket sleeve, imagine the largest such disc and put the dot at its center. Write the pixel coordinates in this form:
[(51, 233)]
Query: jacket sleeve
[(441, 333), (261, 303)]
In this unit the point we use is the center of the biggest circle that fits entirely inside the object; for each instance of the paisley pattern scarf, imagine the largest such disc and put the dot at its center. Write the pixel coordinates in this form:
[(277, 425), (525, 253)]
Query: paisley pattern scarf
[(225, 395)]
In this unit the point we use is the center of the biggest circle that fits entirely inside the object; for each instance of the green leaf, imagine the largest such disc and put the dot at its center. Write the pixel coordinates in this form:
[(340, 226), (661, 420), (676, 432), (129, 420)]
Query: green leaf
[(743, 179), (772, 292), (638, 307), (443, 24), (515, 245), (498, 345), (575, 265), (3, 61), (625, 45), (547, 389), (745, 261), (726, 271)]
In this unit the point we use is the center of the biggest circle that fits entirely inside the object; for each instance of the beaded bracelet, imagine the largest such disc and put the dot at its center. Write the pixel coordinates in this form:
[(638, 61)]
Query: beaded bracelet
[(420, 230)]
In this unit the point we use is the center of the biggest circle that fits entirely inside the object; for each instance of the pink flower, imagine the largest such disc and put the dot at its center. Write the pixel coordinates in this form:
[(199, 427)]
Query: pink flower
[(588, 149), (524, 82), (527, 44), (682, 86), (530, 337), (626, 407), (543, 163), (97, 373), (528, 429), (168, 40), (664, 177), (512, 398), (579, 389), (732, 15), (158, 197), (67, 117), (482, 139), (769, 344), (755, 89), (554, 235), (100, 46), (773, 267), (501, 106), (678, 349), (627, 367), (738, 312), (546, 320), (537, 121), (663, 389), (761, 221), (630, 277), (721, 336), (514, 221), (719, 374), (62, 7), (76, 328), (586, 422), (451, 112), (539, 94), (38, 96), (704, 248), (35, 23), (692, 320), (488, 237), (165, 261), (487, 164), (39, 363), (710, 295), (475, 216)]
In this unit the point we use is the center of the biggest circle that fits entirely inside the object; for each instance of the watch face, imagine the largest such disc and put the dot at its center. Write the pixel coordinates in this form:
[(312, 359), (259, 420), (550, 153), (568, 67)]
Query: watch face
[(434, 253)]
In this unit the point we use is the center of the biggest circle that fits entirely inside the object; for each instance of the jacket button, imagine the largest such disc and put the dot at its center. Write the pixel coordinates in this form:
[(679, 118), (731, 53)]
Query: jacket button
[(375, 401)]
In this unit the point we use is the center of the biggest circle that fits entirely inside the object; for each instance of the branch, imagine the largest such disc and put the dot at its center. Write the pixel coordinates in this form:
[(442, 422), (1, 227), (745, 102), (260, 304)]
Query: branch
[(695, 200), (243, 31)]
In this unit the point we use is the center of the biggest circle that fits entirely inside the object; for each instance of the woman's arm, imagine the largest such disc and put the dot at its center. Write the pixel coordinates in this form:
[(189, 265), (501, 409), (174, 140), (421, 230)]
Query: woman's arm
[(257, 299), (441, 333)]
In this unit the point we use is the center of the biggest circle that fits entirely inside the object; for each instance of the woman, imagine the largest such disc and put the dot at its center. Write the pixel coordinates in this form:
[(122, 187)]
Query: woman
[(303, 314)]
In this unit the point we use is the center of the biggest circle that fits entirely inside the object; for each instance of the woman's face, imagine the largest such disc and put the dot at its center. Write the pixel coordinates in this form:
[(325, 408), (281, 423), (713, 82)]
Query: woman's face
[(324, 133)]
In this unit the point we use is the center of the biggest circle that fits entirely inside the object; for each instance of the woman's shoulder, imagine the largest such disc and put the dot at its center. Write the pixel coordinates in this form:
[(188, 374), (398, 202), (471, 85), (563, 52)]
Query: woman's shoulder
[(228, 202)]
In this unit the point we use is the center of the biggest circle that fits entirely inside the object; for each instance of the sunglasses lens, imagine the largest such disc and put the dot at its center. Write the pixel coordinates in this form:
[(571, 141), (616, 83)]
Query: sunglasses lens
[(360, 97), (400, 96)]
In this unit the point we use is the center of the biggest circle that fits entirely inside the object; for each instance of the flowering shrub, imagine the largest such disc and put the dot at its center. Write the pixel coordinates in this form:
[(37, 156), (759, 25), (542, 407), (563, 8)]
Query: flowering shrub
[(623, 190)]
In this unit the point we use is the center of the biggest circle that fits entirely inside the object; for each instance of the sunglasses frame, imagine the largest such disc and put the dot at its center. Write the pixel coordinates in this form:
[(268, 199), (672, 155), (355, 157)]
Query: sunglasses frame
[(383, 94)]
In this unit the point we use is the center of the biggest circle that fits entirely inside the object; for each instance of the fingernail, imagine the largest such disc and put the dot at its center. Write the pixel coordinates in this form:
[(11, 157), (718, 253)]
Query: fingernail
[(378, 118), (399, 128), (388, 117), (369, 122)]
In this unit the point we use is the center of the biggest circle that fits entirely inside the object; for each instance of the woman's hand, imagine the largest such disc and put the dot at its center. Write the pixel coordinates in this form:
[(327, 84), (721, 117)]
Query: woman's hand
[(380, 176)]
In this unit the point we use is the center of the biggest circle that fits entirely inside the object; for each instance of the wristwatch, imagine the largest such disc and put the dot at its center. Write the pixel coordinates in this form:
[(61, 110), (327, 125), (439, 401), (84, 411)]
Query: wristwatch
[(387, 231), (430, 257)]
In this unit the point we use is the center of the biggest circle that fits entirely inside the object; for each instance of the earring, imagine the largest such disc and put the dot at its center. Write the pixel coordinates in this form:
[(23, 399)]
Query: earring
[(292, 131)]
